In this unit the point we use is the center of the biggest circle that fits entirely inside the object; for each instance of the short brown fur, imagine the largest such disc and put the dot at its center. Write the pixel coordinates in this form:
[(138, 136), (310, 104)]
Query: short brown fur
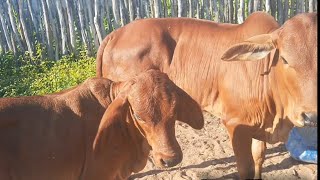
[(259, 100), (91, 132)]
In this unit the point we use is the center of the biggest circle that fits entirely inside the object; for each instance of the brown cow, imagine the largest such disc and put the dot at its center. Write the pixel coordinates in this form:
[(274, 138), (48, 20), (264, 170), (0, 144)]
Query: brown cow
[(257, 99), (97, 130), (279, 91)]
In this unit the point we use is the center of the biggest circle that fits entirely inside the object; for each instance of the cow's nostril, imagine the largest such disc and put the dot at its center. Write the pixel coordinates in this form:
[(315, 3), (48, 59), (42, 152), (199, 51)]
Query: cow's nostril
[(310, 119), (304, 116), (163, 163), (169, 162)]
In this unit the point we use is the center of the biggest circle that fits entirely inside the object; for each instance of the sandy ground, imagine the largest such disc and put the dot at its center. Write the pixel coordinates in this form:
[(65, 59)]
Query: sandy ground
[(208, 155)]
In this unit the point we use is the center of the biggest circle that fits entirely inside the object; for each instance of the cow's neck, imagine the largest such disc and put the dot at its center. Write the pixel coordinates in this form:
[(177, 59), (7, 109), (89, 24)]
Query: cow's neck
[(126, 151), (135, 151), (140, 146), (283, 99), (137, 144)]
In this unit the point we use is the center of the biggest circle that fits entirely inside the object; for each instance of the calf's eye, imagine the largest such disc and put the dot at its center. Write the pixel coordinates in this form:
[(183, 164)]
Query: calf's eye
[(137, 117)]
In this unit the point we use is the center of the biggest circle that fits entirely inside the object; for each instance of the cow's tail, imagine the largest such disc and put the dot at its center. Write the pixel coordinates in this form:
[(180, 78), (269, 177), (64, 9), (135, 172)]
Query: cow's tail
[(100, 55)]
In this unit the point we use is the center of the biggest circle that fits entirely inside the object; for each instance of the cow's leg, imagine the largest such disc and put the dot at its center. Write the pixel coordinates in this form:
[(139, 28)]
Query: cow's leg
[(241, 139), (258, 152)]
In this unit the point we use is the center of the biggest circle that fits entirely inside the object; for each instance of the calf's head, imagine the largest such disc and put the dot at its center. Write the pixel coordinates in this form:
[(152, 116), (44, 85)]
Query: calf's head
[(153, 102), (294, 76)]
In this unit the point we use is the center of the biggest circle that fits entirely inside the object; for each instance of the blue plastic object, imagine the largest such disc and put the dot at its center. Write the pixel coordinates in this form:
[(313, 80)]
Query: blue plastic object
[(302, 144)]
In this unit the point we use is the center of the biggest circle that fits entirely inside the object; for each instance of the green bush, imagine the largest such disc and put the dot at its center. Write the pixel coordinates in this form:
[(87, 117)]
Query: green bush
[(24, 76)]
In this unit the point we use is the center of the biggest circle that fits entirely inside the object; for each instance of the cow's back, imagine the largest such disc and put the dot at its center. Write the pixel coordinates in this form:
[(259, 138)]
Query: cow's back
[(188, 50)]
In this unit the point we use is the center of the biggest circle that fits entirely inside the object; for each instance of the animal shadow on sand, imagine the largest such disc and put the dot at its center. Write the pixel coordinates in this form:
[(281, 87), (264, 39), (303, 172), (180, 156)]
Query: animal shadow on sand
[(276, 151)]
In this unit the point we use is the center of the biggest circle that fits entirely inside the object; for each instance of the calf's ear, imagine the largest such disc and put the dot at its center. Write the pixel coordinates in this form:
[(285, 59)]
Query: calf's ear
[(112, 122), (188, 110), (254, 48)]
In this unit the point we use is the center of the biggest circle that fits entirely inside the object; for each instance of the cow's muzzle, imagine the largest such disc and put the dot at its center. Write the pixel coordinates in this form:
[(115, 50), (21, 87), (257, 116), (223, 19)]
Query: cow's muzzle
[(164, 161)]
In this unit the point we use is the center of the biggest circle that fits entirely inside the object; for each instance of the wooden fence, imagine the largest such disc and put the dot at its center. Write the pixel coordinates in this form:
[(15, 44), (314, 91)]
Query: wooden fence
[(60, 27)]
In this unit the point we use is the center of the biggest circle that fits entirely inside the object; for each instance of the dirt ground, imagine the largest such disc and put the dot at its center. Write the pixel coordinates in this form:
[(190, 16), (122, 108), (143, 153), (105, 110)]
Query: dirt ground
[(207, 154)]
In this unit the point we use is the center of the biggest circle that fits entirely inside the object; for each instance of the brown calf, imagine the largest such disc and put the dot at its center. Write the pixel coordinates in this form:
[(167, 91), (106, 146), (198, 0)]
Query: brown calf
[(97, 130)]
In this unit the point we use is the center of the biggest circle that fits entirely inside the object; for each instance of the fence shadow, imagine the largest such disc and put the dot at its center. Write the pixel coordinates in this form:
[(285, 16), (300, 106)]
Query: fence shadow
[(276, 151)]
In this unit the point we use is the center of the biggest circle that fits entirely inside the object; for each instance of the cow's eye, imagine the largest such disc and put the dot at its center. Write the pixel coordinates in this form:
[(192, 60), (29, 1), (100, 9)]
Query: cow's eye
[(137, 117), (284, 60)]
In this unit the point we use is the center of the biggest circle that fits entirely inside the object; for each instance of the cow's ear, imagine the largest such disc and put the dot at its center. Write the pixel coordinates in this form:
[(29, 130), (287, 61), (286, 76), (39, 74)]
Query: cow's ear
[(113, 121), (188, 110), (254, 48)]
